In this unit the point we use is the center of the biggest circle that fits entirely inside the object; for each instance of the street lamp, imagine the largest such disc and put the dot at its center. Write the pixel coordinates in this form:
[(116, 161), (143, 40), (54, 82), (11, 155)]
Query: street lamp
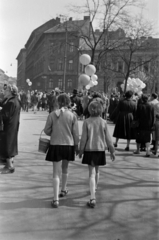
[(65, 54)]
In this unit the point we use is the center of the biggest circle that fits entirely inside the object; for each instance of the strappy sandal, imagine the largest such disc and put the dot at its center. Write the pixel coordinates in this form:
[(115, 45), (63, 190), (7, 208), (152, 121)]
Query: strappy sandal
[(63, 193), (91, 203), (55, 203)]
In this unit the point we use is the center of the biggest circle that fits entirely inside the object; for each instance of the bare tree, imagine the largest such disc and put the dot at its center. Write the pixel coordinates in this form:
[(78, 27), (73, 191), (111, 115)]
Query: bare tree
[(134, 51)]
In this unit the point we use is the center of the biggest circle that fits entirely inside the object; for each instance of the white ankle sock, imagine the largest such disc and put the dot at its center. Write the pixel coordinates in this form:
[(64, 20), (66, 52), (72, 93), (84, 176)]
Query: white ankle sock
[(92, 186)]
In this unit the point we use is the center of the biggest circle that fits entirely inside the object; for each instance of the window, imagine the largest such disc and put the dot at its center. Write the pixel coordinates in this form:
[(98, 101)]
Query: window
[(120, 67), (70, 65), (38, 84), (51, 84), (69, 83), (71, 47), (51, 47), (60, 83), (60, 65)]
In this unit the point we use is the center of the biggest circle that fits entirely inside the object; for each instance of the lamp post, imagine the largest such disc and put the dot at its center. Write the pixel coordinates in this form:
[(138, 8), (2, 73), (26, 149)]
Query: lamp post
[(65, 54)]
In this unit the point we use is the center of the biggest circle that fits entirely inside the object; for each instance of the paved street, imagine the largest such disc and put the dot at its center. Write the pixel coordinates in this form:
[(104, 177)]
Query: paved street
[(127, 199)]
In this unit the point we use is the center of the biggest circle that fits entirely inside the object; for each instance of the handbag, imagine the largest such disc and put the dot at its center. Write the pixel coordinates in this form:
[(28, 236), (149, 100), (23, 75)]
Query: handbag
[(135, 124), (44, 144)]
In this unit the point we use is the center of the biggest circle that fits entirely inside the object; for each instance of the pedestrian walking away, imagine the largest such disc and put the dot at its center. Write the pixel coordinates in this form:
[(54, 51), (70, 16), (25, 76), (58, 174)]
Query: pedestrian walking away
[(94, 140), (62, 127)]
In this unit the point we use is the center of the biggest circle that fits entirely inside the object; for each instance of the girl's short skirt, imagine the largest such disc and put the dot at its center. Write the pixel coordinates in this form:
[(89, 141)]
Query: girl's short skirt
[(94, 158), (57, 153)]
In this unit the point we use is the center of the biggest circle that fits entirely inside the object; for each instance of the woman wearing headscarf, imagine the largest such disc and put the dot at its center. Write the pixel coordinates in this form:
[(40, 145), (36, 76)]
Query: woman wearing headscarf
[(10, 115)]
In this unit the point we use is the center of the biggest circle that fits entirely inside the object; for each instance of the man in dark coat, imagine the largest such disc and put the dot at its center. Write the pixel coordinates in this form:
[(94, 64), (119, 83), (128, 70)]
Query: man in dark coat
[(10, 115)]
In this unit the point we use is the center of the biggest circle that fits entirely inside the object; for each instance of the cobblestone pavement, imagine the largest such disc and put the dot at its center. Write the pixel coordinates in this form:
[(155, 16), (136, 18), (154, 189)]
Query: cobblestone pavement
[(127, 199)]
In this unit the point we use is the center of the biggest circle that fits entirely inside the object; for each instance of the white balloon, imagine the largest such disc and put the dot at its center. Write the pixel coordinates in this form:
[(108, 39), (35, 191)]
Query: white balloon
[(28, 80), (94, 77), (84, 79), (88, 87), (95, 83), (90, 69), (30, 83), (85, 59)]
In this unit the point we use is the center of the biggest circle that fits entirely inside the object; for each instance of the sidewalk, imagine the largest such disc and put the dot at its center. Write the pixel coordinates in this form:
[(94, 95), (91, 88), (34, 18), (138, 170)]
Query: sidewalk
[(127, 199)]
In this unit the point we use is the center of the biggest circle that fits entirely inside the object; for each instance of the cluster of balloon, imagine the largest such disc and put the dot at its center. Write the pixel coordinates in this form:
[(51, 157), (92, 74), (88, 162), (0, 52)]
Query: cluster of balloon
[(88, 79), (29, 82)]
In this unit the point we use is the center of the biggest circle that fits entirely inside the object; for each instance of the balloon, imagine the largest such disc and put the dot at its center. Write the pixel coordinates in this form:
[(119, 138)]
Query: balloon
[(84, 79), (95, 83), (85, 59), (28, 80), (94, 77), (90, 69), (88, 87), (30, 83)]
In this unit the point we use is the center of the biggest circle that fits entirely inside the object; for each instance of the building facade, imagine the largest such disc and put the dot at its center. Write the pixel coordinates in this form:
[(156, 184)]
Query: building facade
[(52, 52)]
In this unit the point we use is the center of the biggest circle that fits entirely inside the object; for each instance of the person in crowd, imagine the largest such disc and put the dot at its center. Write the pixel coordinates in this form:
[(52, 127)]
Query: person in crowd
[(50, 98), (125, 113), (23, 100), (10, 115), (44, 101), (146, 118), (153, 101), (76, 103), (62, 127), (94, 140), (156, 132), (34, 101), (112, 104), (28, 100)]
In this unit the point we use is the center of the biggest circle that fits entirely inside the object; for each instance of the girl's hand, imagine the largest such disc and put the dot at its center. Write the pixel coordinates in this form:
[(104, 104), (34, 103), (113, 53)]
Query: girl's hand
[(112, 156)]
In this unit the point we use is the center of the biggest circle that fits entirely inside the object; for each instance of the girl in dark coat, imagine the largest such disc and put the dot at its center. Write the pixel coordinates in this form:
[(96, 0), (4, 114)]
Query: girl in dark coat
[(10, 115), (125, 111)]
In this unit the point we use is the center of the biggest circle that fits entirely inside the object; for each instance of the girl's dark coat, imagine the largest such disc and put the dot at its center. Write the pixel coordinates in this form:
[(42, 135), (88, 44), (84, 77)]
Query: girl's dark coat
[(9, 136)]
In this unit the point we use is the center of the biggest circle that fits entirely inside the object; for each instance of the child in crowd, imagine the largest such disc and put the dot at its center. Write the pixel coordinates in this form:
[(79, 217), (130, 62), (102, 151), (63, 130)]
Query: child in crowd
[(62, 126), (95, 137)]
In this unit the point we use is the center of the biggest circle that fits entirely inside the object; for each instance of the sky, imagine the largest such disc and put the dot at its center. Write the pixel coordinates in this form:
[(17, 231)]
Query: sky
[(18, 18)]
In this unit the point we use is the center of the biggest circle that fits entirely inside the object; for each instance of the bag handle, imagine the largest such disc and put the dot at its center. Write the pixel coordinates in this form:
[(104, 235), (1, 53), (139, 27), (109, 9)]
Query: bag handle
[(41, 133)]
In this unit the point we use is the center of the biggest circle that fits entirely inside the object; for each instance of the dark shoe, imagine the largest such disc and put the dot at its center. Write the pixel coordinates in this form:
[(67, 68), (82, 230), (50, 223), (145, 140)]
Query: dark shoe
[(91, 203), (115, 145), (63, 193), (55, 203), (7, 170), (147, 155), (142, 149), (127, 149), (136, 152)]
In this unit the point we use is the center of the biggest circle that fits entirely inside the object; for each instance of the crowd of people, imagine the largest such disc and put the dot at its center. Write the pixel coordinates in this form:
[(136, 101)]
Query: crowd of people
[(135, 118)]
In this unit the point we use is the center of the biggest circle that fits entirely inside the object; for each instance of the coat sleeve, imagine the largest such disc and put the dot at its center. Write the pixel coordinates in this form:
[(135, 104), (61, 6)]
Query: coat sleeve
[(83, 138), (48, 126), (75, 131)]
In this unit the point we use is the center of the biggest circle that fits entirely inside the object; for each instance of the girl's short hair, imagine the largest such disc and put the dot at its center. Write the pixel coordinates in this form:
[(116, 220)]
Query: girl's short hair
[(63, 100), (95, 108)]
